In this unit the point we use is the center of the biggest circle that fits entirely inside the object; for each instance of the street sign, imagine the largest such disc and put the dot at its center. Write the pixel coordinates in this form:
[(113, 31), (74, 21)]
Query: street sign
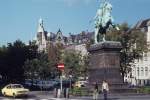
[(60, 66)]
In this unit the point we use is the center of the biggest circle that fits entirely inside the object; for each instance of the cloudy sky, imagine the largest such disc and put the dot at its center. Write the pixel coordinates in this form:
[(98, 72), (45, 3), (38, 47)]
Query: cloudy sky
[(19, 18)]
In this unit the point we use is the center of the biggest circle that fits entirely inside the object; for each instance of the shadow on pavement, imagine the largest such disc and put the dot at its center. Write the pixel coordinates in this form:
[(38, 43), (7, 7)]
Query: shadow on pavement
[(113, 98), (21, 97), (109, 99)]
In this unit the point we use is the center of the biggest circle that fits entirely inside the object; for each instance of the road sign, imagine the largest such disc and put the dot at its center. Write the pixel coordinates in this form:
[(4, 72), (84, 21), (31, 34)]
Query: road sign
[(60, 66)]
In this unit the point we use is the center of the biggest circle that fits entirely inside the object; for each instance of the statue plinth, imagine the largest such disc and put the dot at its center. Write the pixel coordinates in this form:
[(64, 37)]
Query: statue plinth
[(105, 63)]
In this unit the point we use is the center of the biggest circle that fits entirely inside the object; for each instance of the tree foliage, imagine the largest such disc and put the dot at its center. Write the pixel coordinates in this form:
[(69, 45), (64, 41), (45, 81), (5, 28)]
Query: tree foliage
[(12, 58), (133, 45), (75, 63), (38, 68), (44, 66), (73, 60)]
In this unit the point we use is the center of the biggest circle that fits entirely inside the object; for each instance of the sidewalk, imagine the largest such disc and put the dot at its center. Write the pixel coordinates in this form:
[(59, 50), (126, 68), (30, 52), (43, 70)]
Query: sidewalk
[(111, 97), (122, 96)]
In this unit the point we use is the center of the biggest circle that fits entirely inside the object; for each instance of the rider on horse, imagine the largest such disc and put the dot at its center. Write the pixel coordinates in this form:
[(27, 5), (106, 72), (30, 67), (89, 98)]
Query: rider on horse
[(103, 20)]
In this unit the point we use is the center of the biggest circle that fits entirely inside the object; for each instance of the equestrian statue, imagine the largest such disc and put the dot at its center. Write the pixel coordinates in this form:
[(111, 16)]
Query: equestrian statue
[(103, 21)]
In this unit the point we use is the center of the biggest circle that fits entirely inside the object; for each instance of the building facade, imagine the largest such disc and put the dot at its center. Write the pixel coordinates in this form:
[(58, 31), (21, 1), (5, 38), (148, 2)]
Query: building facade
[(76, 42), (140, 70)]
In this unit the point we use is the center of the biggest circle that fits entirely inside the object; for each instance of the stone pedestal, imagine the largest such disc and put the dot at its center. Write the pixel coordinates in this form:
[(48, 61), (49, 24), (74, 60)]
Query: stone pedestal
[(105, 63)]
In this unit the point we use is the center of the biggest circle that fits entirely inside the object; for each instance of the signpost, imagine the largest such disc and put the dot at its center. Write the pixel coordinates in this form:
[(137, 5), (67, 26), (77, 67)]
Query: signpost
[(70, 78), (61, 68)]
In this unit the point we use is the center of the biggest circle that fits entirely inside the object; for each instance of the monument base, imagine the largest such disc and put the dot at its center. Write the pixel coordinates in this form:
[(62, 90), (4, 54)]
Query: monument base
[(105, 64)]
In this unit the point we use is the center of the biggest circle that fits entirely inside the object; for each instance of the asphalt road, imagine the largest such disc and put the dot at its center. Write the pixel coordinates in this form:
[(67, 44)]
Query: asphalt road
[(44, 95)]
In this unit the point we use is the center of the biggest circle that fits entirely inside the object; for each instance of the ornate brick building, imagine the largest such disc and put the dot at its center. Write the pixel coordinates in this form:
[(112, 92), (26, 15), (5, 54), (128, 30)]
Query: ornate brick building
[(76, 42)]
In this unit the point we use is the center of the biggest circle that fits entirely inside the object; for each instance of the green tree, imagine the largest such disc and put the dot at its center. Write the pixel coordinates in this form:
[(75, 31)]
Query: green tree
[(31, 68), (3, 62), (38, 68), (74, 63), (133, 45), (12, 58), (16, 55)]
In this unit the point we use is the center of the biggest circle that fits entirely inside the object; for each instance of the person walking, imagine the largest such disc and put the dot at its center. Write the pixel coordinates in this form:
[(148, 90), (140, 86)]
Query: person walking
[(65, 93), (95, 92), (55, 92), (58, 93), (105, 89)]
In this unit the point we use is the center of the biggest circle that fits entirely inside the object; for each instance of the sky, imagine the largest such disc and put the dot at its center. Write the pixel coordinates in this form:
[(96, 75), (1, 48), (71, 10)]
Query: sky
[(19, 18)]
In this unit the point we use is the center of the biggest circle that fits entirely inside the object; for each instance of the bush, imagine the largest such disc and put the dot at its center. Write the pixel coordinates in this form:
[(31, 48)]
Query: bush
[(80, 91)]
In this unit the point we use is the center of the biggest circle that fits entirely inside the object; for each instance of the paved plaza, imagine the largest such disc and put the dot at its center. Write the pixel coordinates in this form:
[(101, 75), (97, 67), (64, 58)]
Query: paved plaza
[(42, 95), (112, 97)]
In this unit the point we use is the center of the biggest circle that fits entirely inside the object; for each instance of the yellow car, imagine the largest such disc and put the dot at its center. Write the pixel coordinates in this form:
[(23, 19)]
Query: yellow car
[(80, 84), (14, 90)]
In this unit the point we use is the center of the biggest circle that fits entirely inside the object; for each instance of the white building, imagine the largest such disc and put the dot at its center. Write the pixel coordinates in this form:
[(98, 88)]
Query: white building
[(140, 71), (44, 37), (41, 36)]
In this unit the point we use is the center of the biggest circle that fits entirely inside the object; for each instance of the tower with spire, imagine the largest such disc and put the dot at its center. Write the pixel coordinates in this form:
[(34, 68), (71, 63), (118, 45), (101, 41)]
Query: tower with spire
[(44, 39), (59, 37), (41, 36)]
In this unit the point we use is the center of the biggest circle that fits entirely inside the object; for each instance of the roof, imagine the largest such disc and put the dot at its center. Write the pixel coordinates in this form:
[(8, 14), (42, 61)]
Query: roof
[(142, 23)]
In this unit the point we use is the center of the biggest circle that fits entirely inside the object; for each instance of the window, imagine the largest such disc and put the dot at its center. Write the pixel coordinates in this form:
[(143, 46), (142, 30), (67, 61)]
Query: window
[(8, 87), (145, 56), (138, 73), (142, 71), (139, 82), (144, 82), (146, 71), (17, 86)]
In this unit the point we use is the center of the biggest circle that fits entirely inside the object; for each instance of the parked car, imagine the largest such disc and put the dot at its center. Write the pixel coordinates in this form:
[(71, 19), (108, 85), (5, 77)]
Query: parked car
[(37, 84), (14, 90), (45, 84), (28, 82), (80, 83), (65, 83)]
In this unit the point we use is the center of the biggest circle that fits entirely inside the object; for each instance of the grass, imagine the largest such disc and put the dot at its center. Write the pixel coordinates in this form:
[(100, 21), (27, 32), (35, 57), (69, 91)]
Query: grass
[(80, 91), (145, 89)]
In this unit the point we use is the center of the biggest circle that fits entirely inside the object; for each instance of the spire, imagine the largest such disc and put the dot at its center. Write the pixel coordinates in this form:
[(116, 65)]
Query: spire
[(40, 26), (41, 36), (59, 36)]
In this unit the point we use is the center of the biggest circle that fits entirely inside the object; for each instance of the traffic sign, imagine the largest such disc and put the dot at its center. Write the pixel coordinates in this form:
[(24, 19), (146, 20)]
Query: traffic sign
[(60, 66)]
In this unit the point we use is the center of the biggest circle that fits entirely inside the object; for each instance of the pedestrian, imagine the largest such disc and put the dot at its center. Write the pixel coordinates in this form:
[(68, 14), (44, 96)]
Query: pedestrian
[(55, 92), (65, 93), (105, 89), (58, 93), (95, 92)]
